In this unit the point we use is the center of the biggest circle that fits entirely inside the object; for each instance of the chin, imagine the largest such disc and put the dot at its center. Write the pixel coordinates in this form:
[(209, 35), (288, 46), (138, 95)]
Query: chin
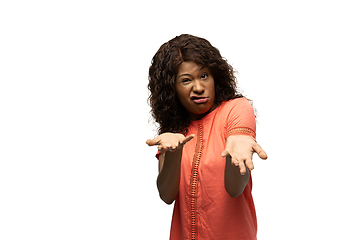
[(202, 111)]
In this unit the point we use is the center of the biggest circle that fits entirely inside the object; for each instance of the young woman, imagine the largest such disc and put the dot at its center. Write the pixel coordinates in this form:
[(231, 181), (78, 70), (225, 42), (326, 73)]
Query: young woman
[(206, 141)]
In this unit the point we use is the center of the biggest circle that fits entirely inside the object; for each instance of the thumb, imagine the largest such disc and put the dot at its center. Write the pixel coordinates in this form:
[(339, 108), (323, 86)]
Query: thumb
[(225, 153), (262, 154), (152, 142), (188, 138)]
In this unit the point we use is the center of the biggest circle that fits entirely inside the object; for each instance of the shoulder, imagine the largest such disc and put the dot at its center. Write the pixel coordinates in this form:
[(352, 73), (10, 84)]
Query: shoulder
[(238, 104), (238, 117)]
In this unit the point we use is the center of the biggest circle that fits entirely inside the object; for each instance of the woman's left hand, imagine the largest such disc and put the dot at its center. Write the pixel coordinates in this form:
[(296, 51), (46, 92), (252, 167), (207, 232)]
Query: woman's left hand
[(241, 148)]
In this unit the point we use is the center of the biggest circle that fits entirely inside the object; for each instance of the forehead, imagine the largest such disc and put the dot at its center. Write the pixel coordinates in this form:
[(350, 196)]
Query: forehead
[(189, 68)]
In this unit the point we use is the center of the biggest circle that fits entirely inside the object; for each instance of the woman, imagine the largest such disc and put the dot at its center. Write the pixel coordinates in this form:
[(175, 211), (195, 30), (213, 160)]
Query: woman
[(203, 119)]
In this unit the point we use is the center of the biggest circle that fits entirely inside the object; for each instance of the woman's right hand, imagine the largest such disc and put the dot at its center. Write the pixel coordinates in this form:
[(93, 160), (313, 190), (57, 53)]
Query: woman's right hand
[(169, 141)]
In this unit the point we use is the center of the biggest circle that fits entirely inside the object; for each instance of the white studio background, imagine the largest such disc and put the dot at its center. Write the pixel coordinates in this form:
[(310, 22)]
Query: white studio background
[(74, 116)]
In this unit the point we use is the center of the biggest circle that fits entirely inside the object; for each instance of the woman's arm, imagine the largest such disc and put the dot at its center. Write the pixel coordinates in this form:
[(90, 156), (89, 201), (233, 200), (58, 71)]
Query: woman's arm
[(169, 175), (240, 145), (235, 182), (171, 146), (238, 152)]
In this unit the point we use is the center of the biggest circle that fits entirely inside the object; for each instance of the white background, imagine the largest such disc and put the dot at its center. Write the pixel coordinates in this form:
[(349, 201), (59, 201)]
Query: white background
[(74, 116)]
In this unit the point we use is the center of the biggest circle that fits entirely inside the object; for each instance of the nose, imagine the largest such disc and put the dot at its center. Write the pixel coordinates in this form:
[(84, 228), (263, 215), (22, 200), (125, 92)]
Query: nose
[(198, 87)]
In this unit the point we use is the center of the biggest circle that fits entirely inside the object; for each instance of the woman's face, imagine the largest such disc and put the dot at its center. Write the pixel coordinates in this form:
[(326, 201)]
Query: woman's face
[(195, 89)]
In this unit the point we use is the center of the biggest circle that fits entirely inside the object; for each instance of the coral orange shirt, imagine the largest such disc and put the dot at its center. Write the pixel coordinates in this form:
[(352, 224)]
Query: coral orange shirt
[(203, 209)]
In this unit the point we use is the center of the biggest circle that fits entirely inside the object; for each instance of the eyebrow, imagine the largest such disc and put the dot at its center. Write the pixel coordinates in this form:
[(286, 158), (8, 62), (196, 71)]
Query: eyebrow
[(188, 74)]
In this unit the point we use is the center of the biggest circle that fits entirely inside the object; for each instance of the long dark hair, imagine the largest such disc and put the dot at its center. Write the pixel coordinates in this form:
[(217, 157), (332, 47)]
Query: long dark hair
[(166, 109)]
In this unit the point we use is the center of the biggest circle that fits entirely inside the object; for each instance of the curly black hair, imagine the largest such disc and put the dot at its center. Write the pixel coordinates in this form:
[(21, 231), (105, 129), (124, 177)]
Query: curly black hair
[(166, 109)]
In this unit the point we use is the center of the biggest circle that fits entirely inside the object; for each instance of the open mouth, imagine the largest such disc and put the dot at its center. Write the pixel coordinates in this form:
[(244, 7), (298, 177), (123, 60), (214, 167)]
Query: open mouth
[(199, 100)]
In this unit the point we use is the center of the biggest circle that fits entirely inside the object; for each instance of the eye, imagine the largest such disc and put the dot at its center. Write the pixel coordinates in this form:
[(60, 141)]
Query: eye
[(204, 76), (185, 80)]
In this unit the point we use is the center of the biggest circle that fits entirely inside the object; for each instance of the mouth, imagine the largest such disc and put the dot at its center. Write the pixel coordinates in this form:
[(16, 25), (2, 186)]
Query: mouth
[(199, 100)]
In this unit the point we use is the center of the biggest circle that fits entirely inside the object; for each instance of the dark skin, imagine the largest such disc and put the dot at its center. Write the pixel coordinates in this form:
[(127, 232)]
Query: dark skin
[(235, 182), (169, 163), (195, 89)]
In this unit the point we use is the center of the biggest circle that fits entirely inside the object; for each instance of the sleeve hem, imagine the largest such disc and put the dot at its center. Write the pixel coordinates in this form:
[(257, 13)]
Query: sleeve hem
[(158, 155), (241, 131)]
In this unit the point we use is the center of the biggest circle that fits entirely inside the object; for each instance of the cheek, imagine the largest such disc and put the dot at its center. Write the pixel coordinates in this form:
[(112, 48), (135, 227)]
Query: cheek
[(181, 94), (212, 89)]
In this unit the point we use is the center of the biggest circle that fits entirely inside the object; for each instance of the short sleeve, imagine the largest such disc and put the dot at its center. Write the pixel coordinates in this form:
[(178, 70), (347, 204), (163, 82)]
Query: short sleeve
[(241, 118), (158, 155)]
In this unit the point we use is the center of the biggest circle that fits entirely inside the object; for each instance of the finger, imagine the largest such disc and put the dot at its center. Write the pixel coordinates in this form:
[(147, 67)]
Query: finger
[(242, 167), (249, 163), (260, 152), (225, 153), (233, 161), (187, 139), (165, 148), (160, 149), (173, 148), (154, 141)]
